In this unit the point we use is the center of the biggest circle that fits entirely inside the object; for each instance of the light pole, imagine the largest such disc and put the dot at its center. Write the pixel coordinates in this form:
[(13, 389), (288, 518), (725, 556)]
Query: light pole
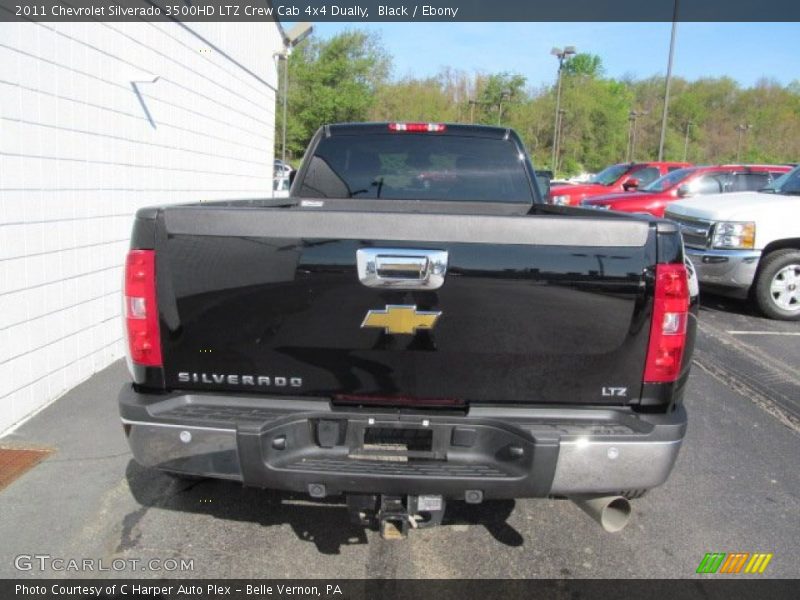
[(630, 135), (560, 55), (632, 116), (560, 125), (742, 128), (472, 105), (686, 141), (500, 106), (292, 37), (284, 56), (669, 79)]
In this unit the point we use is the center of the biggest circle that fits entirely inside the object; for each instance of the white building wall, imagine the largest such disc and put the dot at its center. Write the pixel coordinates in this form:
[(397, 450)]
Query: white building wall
[(79, 155)]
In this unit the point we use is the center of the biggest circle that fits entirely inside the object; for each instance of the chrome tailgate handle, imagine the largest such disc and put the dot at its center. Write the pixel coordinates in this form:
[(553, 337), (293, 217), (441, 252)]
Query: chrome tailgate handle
[(401, 268)]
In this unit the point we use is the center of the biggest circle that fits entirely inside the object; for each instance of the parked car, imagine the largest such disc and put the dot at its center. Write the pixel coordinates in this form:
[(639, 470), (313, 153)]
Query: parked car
[(405, 344), (747, 244), (545, 179), (280, 186), (687, 182), (616, 178), (281, 169)]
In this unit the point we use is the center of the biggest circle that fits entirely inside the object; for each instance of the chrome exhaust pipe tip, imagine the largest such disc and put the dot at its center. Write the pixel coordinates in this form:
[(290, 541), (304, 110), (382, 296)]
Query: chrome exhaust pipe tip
[(612, 512)]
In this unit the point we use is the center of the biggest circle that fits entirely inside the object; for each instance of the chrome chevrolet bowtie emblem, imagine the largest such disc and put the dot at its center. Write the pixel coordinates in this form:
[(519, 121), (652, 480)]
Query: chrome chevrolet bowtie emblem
[(401, 319)]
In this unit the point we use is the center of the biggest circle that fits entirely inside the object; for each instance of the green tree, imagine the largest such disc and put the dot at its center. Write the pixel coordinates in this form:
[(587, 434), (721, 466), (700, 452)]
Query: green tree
[(331, 81), (497, 92), (346, 78), (443, 98), (595, 124), (589, 65)]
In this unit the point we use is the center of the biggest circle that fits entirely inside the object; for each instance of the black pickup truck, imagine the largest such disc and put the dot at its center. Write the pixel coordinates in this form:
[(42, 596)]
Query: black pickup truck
[(412, 325)]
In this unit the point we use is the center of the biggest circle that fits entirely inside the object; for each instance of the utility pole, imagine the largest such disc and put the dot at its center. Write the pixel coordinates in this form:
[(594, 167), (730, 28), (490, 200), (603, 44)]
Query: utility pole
[(472, 105), (686, 141), (632, 116), (560, 55), (742, 128), (630, 137), (669, 79)]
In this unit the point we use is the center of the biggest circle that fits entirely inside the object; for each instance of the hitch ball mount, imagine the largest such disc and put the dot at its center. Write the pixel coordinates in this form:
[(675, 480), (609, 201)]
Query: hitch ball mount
[(395, 515)]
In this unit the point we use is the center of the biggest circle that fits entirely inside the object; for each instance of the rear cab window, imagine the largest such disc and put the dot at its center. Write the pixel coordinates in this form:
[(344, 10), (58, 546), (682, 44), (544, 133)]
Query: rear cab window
[(417, 166), (610, 175), (668, 181), (646, 175), (750, 182), (710, 183)]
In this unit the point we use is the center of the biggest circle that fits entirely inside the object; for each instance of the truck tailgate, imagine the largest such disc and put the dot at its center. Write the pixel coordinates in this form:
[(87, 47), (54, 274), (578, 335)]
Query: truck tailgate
[(538, 309)]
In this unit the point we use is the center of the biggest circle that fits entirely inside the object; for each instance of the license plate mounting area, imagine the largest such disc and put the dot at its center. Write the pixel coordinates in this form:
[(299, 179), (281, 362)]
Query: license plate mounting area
[(394, 443)]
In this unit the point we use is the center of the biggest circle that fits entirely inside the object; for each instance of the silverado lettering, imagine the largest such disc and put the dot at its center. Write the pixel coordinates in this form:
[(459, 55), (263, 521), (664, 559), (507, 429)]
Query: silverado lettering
[(440, 333), (263, 380)]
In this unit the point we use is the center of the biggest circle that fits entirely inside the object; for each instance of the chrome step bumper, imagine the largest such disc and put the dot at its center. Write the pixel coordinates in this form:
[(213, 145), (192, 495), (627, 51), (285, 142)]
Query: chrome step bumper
[(505, 452)]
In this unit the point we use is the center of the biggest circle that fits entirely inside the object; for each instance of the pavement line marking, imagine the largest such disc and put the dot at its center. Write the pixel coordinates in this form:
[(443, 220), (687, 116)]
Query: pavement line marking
[(763, 332), (755, 354)]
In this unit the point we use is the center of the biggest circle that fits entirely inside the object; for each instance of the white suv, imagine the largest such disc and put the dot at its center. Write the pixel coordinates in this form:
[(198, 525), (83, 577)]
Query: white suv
[(747, 244)]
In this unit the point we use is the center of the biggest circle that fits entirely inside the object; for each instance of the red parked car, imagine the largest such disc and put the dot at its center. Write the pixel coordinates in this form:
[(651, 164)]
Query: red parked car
[(616, 178), (691, 181)]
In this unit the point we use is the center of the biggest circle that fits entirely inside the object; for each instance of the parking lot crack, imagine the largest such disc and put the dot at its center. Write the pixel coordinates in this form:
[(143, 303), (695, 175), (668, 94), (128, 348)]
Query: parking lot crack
[(729, 379), (777, 368), (765, 380), (80, 458)]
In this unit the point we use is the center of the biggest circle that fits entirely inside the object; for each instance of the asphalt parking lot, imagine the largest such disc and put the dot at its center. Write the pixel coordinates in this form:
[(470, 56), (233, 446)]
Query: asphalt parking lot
[(735, 488)]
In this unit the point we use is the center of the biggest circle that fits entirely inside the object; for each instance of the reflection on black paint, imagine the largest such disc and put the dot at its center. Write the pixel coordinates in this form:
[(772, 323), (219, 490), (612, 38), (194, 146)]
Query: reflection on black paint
[(516, 319)]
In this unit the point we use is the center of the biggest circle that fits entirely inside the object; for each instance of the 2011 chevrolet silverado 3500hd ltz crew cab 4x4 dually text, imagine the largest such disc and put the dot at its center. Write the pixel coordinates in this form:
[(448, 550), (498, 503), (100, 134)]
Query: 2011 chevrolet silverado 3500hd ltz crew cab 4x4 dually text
[(413, 325)]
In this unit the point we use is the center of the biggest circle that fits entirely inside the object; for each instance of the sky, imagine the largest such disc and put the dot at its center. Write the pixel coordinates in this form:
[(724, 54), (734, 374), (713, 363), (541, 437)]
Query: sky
[(744, 51)]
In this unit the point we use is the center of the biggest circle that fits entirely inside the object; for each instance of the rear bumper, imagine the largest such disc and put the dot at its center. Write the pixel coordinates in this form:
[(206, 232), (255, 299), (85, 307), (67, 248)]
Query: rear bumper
[(302, 444), (726, 271)]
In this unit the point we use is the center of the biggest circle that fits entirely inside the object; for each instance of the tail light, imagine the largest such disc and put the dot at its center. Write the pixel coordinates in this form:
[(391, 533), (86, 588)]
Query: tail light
[(418, 127), (668, 329), (141, 310)]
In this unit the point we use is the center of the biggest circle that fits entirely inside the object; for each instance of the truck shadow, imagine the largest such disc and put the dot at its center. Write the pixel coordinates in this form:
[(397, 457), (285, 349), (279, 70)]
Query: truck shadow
[(492, 514), (325, 523)]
